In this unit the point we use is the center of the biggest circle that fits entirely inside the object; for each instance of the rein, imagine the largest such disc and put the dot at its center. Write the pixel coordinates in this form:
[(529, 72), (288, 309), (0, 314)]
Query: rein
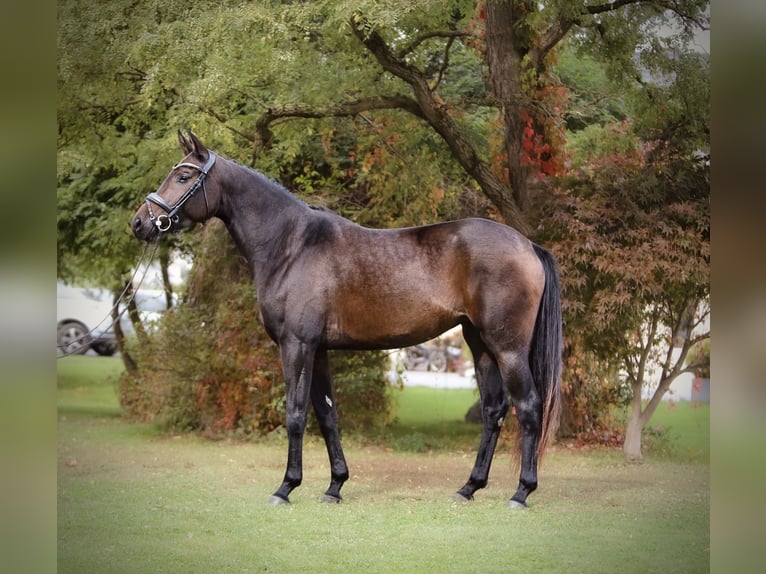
[(167, 220), (123, 296)]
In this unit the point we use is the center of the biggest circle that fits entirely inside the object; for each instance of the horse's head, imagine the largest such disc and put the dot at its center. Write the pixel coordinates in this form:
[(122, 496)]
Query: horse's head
[(187, 195)]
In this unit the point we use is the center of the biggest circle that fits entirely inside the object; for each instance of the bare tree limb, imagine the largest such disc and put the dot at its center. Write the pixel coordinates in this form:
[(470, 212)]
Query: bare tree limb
[(444, 65), (670, 5), (352, 108), (435, 113), (417, 41)]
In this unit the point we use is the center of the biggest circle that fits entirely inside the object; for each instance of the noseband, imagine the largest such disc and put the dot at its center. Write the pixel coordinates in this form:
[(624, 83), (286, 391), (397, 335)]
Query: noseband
[(166, 221)]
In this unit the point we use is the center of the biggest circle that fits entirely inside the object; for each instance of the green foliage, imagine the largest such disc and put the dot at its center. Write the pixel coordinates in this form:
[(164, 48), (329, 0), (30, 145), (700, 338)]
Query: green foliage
[(631, 231), (593, 99), (208, 368), (128, 80), (675, 108), (630, 225), (632, 234)]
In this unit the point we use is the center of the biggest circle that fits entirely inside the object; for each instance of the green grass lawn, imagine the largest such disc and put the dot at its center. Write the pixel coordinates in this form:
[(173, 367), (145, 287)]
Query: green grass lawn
[(131, 500), (683, 428), (429, 419), (88, 385)]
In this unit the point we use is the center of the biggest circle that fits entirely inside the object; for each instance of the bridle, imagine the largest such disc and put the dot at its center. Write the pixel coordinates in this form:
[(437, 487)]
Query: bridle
[(166, 221)]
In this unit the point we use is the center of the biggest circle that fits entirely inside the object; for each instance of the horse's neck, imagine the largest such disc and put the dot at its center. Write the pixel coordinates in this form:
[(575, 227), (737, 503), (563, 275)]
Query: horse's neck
[(259, 214)]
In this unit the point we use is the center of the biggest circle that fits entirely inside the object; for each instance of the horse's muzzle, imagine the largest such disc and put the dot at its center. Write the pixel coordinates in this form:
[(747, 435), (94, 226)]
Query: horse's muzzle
[(144, 228)]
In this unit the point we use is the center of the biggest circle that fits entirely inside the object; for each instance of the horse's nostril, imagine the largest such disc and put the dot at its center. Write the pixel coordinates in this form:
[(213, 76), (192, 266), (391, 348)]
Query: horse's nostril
[(137, 224)]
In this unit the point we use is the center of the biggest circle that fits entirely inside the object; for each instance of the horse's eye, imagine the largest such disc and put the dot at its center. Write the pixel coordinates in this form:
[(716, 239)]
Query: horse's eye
[(183, 178)]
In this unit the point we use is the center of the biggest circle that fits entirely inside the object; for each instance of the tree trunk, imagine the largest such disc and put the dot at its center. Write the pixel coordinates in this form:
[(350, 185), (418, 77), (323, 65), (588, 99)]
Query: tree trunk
[(638, 418), (134, 317), (506, 48), (164, 265), (632, 445), (130, 364)]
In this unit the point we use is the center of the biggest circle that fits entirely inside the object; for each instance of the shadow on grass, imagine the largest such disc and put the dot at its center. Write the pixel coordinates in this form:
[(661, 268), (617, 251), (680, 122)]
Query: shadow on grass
[(94, 411)]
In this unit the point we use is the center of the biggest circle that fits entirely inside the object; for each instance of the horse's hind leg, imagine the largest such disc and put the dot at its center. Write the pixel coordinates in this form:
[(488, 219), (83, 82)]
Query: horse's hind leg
[(528, 405), (494, 406), (324, 406)]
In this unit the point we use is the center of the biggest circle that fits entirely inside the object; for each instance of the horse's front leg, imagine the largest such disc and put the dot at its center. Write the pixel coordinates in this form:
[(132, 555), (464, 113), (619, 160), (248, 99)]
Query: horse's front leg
[(324, 406), (298, 367)]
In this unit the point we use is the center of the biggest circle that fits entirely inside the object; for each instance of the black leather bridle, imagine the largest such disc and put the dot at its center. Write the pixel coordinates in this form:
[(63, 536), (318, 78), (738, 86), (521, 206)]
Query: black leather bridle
[(167, 220)]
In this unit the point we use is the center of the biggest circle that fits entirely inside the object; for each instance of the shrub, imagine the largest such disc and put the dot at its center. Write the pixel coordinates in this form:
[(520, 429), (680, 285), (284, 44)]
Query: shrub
[(211, 369), (593, 394)]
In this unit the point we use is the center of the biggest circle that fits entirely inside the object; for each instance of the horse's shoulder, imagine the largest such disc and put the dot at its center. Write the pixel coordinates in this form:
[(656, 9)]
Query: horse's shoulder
[(321, 226)]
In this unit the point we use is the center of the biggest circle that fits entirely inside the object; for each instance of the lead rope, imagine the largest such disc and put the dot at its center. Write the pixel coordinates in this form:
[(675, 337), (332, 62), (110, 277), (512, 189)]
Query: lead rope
[(122, 298)]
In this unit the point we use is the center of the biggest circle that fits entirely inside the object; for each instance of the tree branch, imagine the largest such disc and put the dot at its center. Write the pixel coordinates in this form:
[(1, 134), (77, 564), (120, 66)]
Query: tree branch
[(444, 65), (671, 5), (646, 350), (451, 34), (264, 121), (549, 40), (225, 121), (611, 6), (557, 31), (435, 113)]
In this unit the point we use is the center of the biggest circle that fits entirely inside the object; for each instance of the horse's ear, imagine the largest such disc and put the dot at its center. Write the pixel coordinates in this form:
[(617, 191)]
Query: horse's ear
[(197, 147), (186, 145)]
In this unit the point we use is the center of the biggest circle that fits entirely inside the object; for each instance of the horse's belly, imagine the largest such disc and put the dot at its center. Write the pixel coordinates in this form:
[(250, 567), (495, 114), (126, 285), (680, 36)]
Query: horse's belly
[(394, 324)]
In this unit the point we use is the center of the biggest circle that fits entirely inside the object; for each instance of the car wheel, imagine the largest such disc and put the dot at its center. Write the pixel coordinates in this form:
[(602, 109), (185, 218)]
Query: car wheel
[(105, 349), (73, 338)]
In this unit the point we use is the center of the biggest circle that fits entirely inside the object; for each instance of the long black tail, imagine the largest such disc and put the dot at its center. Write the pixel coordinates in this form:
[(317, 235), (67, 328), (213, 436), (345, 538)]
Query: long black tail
[(545, 353)]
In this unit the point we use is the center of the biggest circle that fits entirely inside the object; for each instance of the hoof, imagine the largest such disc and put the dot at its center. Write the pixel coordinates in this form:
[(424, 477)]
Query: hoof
[(330, 499), (457, 497), (275, 500), (514, 504)]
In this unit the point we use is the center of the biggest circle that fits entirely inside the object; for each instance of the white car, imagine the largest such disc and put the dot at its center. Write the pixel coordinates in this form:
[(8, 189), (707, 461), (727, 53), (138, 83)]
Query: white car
[(84, 319)]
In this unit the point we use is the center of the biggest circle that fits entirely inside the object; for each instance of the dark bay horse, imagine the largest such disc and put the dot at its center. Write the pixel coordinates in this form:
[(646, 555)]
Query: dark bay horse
[(324, 282)]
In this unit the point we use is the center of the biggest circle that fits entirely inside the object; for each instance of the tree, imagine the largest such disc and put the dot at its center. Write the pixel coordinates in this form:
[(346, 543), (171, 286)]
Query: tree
[(519, 47), (632, 231), (518, 40), (412, 112), (142, 80)]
